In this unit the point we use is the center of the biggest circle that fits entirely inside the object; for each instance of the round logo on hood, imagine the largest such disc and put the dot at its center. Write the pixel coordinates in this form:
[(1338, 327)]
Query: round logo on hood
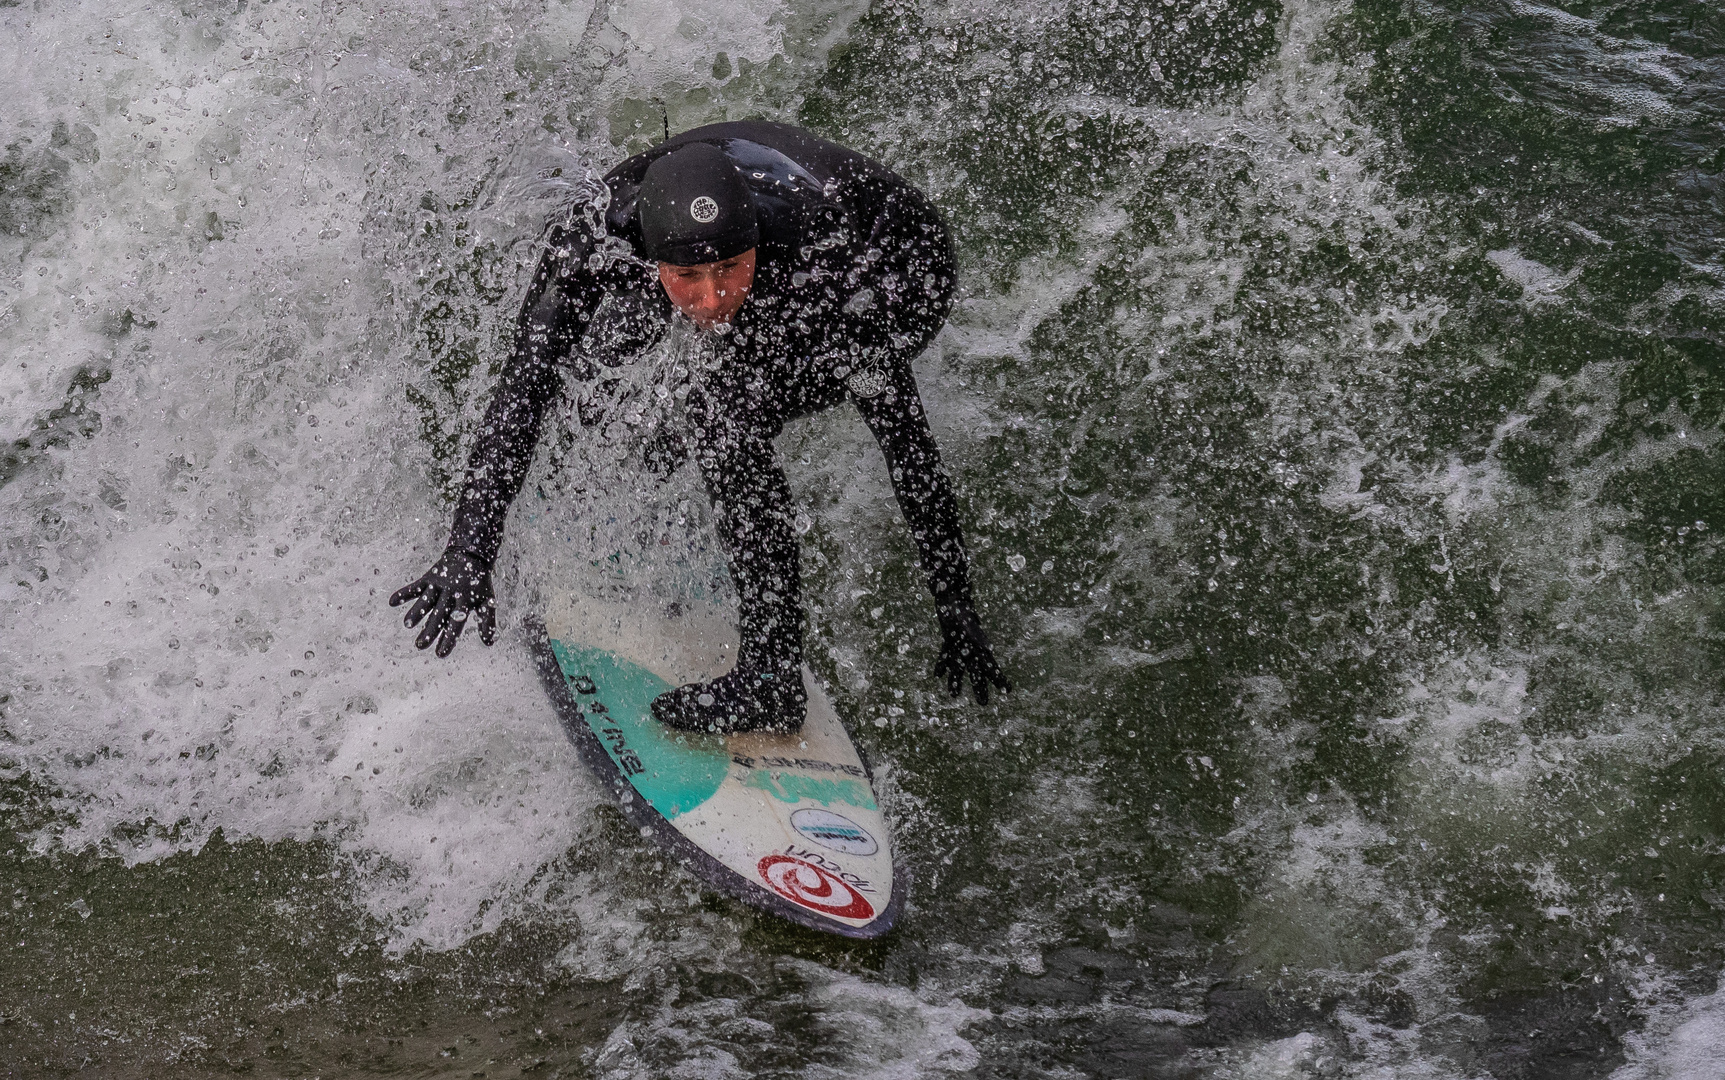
[(703, 209)]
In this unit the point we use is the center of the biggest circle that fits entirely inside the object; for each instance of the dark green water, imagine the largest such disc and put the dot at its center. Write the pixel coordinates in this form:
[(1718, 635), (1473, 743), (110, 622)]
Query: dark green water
[(1335, 401)]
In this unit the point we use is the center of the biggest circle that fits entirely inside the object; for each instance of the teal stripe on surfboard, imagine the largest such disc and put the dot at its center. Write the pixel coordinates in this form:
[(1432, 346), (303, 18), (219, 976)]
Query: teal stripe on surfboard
[(674, 771)]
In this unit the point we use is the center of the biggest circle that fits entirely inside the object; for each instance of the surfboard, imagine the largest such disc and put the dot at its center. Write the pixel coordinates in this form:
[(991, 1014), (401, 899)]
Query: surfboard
[(786, 823)]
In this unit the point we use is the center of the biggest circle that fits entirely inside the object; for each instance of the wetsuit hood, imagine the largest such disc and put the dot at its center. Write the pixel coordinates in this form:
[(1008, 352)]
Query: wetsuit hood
[(695, 208)]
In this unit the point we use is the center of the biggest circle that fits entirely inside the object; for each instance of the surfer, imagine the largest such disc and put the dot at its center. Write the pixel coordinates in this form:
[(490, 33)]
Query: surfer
[(814, 276)]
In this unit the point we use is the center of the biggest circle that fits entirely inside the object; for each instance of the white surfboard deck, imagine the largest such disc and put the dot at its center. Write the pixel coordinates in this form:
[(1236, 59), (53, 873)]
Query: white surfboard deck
[(787, 823)]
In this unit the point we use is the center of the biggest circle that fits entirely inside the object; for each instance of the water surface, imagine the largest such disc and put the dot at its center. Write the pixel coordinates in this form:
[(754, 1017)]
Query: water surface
[(1334, 398)]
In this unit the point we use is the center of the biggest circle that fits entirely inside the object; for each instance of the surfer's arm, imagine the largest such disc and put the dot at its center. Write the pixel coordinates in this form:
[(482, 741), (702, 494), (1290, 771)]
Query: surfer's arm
[(529, 382), (924, 493), (459, 583), (897, 419)]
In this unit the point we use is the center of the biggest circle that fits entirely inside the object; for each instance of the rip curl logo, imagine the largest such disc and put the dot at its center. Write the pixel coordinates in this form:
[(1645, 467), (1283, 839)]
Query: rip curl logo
[(867, 383), (703, 209), (808, 885)]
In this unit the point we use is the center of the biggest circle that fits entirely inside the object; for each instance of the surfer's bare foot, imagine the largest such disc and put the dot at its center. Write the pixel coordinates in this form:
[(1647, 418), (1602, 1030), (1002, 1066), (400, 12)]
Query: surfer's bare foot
[(740, 701)]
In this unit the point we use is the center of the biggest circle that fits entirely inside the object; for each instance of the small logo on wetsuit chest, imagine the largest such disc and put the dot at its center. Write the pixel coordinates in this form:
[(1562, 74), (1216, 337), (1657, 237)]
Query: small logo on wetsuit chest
[(703, 209), (866, 383)]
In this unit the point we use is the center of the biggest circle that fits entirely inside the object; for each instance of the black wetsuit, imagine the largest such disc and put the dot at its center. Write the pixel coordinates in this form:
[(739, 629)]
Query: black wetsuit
[(854, 277)]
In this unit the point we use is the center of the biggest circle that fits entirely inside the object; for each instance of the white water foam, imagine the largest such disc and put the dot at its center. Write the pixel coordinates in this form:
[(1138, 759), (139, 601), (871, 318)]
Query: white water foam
[(1686, 1043), (882, 1033), (1590, 66)]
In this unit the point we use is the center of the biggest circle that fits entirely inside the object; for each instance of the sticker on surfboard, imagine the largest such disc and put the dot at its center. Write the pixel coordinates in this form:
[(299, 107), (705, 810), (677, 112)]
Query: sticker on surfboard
[(814, 888), (788, 823), (834, 831)]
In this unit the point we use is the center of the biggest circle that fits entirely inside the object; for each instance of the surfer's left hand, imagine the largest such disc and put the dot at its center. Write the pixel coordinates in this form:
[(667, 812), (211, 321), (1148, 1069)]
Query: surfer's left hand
[(965, 653), (457, 586)]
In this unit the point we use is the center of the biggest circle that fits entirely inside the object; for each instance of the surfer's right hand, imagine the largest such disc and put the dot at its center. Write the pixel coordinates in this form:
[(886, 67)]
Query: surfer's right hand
[(457, 586)]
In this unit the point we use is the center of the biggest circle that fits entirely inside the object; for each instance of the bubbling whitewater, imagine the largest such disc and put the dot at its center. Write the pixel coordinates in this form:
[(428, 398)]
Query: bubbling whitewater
[(205, 628), (1333, 403)]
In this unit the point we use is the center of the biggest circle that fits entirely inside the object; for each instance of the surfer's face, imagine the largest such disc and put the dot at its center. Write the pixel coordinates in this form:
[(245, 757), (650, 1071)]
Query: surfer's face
[(711, 293)]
